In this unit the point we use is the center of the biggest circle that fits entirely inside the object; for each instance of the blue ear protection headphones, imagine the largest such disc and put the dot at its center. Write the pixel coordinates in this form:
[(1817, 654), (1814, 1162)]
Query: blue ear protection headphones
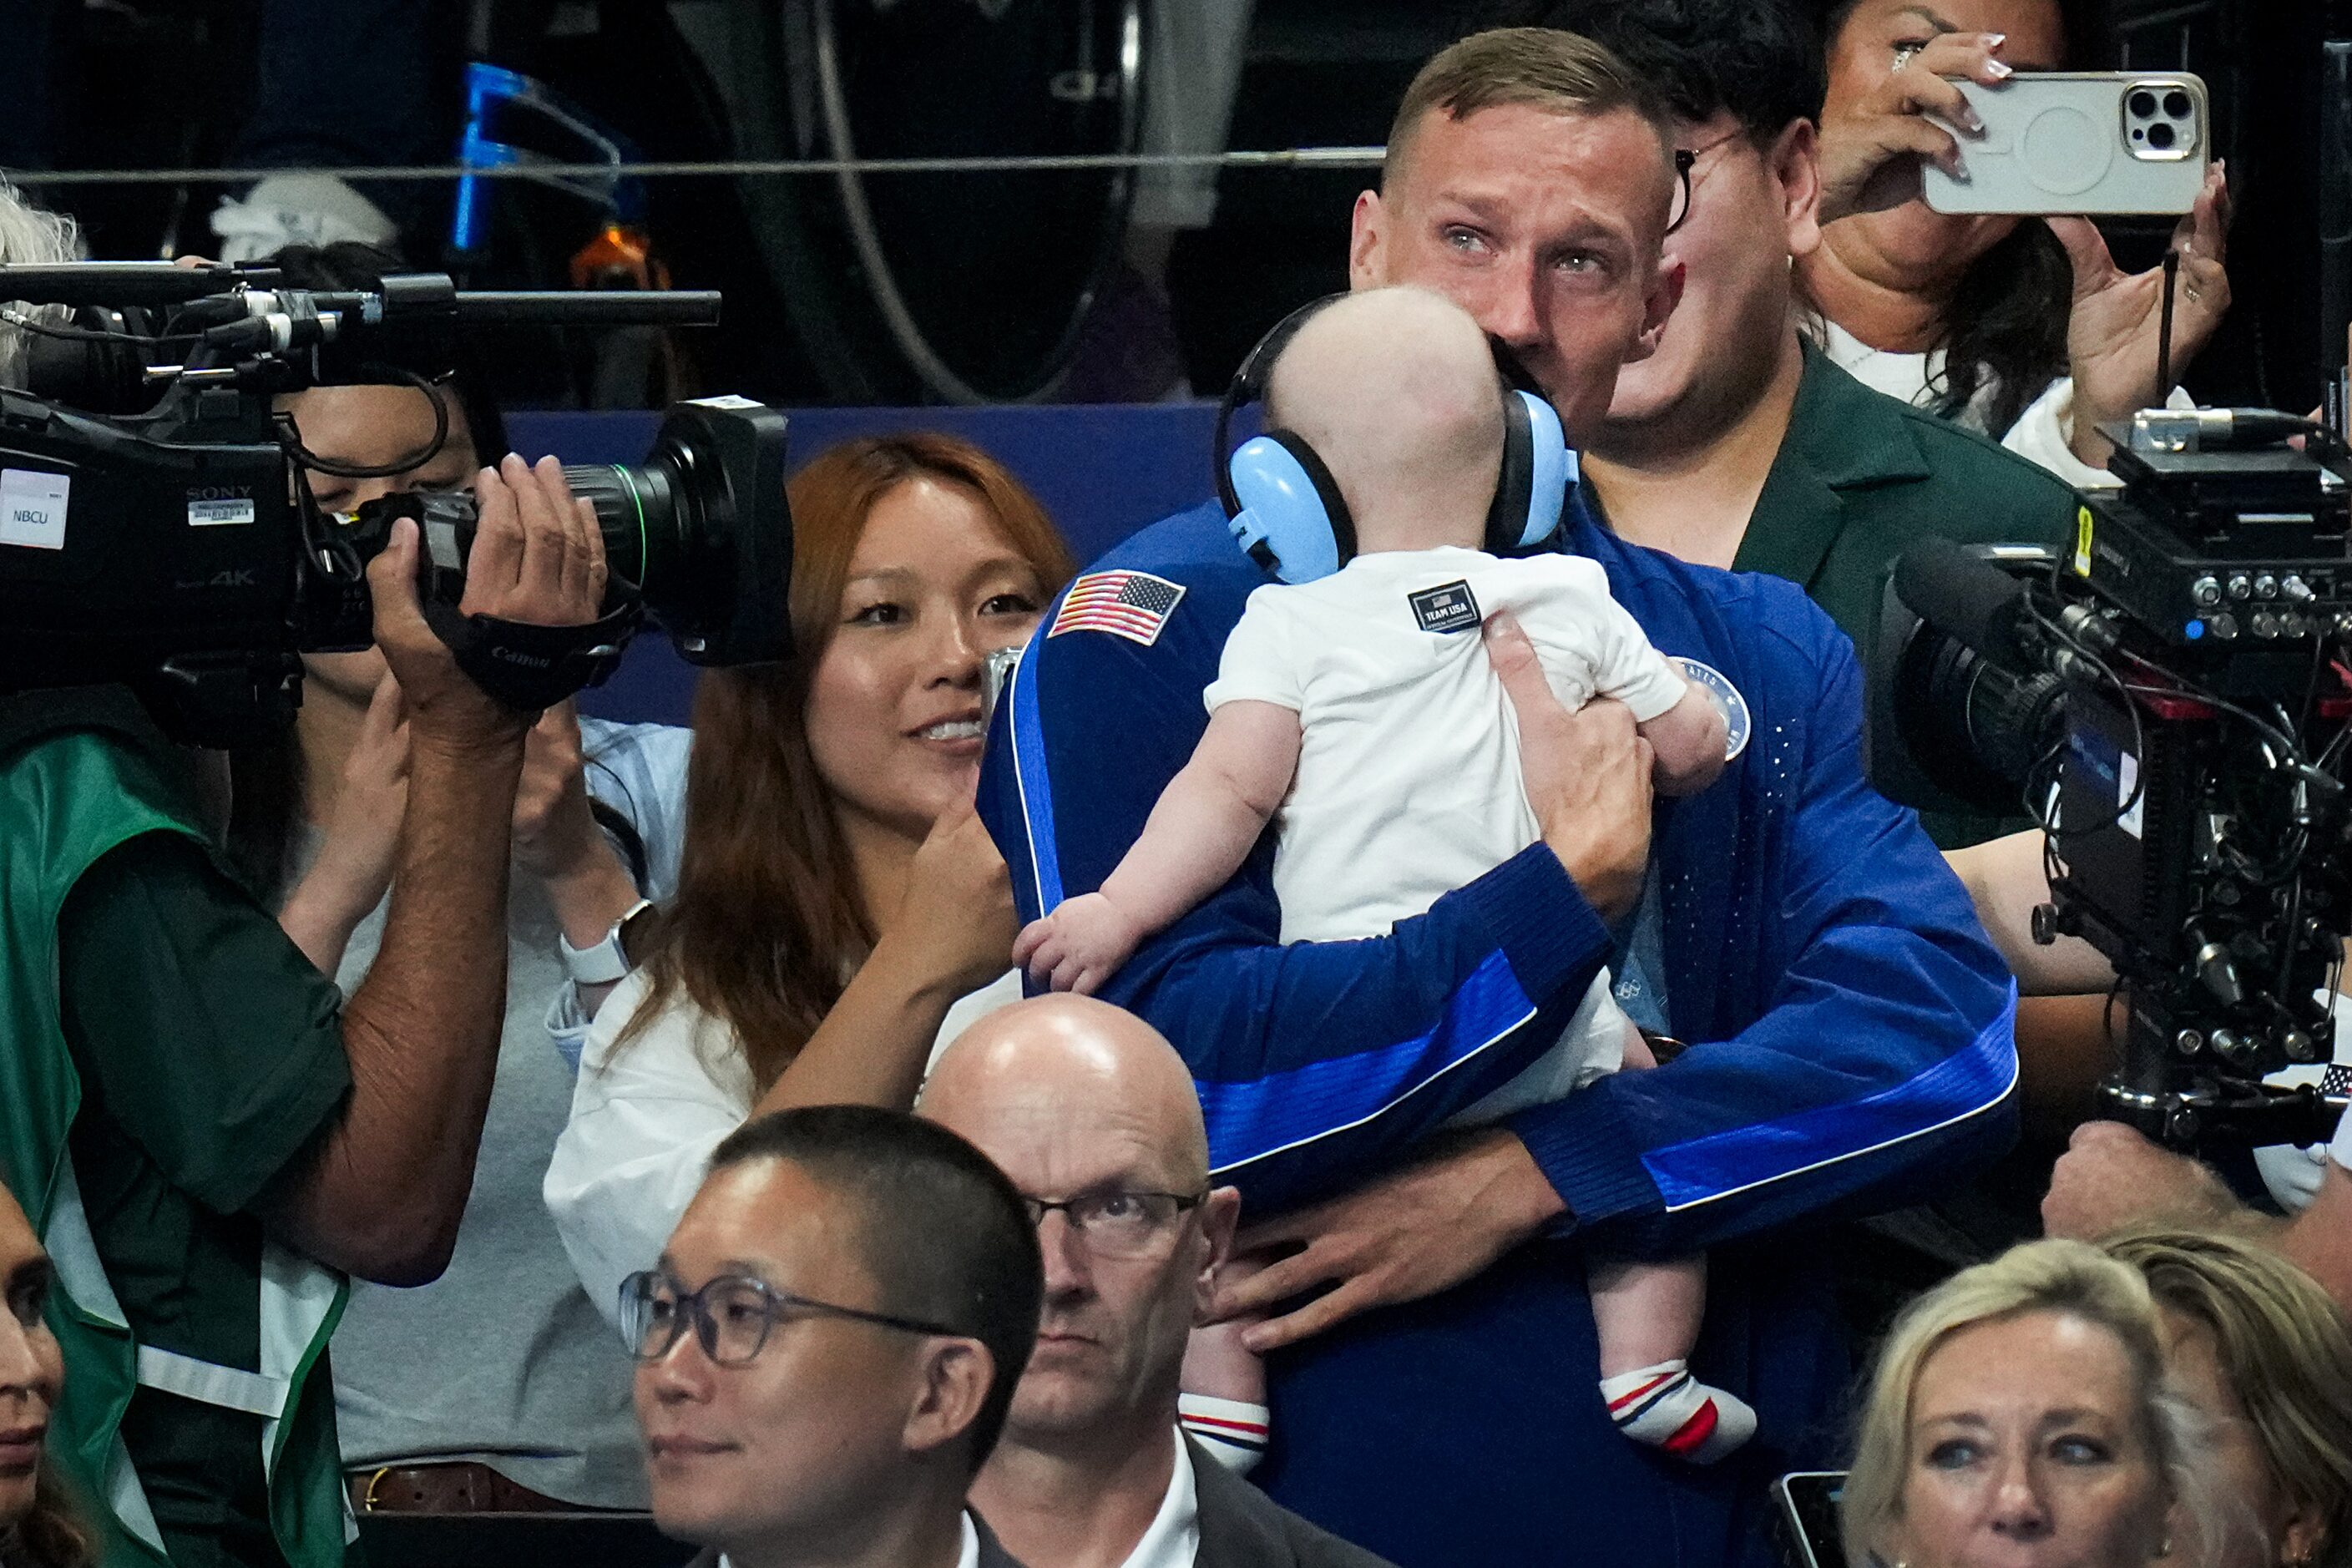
[(1286, 512)]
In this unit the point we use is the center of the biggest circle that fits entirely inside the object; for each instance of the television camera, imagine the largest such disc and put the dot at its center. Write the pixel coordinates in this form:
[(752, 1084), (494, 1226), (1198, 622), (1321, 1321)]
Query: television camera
[(156, 530), (2171, 700)]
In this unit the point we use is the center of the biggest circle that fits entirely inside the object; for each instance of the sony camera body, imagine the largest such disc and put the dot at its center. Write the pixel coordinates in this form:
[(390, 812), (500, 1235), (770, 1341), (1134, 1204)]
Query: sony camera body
[(2168, 698), (168, 541)]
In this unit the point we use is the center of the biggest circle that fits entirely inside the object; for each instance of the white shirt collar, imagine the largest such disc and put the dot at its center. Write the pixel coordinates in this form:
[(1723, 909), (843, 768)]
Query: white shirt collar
[(970, 1556), (1174, 1537)]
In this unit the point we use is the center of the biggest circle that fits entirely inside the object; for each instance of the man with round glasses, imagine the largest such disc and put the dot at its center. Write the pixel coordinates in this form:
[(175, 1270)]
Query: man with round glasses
[(1094, 1116), (827, 1347)]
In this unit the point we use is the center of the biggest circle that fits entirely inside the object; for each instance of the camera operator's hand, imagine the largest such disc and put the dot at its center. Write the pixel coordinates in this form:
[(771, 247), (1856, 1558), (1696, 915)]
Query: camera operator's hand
[(2110, 1177), (1870, 149), (1586, 775), (2112, 329), (538, 558)]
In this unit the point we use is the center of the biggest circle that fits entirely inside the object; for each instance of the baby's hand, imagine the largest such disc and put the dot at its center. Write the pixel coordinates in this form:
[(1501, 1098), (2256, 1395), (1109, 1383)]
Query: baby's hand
[(1077, 947)]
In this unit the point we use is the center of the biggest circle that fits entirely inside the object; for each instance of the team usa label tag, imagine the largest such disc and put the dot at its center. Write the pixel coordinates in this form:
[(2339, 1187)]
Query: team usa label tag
[(1448, 607), (1728, 701), (1130, 605)]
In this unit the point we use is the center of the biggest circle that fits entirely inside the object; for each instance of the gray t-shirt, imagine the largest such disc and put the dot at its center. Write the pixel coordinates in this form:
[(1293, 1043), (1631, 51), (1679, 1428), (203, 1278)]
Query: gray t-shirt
[(503, 1359)]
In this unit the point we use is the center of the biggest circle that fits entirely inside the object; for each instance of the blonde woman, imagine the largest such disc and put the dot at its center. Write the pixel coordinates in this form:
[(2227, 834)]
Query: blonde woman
[(2021, 1414), (2259, 1347)]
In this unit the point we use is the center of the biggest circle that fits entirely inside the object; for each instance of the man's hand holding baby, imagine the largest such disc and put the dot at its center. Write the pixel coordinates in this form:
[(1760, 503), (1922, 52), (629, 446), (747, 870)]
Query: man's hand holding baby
[(1587, 775)]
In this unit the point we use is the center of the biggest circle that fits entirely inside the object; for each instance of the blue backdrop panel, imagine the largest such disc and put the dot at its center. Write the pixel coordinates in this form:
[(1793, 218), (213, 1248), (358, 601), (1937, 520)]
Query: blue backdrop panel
[(1102, 471)]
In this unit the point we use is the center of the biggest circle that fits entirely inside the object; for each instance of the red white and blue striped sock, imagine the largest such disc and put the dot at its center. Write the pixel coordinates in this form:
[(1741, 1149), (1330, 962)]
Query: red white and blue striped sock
[(1233, 1431), (1666, 1407)]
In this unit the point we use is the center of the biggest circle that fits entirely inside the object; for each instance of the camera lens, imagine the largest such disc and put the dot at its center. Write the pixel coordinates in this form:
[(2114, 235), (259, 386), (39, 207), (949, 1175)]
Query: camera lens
[(2143, 105), (2176, 105), (2159, 136)]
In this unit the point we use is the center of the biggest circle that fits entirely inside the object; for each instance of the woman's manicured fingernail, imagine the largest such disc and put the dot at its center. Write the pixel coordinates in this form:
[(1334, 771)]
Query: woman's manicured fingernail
[(1996, 68), (1995, 40)]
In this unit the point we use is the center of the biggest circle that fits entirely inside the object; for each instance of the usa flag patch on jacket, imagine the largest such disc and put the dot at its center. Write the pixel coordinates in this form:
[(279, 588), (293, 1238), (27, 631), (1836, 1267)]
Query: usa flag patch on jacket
[(1130, 605)]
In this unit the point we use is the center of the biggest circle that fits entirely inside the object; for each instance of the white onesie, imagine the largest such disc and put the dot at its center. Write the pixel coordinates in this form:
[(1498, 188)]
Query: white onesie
[(1408, 784)]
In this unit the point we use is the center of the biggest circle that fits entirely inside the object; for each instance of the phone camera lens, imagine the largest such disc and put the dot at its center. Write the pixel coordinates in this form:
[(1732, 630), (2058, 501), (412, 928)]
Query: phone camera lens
[(2176, 105), (2159, 136), (2143, 105)]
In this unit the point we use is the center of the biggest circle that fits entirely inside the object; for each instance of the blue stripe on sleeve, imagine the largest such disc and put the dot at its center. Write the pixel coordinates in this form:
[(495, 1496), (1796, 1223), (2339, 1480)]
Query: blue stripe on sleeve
[(1029, 770), (1968, 1083), (1260, 1118)]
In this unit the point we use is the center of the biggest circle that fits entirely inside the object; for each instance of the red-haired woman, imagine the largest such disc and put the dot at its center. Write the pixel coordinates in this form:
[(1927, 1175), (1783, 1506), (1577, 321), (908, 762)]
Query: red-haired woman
[(840, 908)]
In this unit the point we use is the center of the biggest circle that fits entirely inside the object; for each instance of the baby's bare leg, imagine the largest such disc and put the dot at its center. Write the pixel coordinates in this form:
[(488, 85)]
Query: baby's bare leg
[(1647, 1316), (1647, 1312), (1639, 1058)]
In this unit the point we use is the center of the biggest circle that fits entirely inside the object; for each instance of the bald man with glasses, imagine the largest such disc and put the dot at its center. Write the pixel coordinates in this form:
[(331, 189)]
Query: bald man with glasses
[(827, 1348), (1094, 1117)]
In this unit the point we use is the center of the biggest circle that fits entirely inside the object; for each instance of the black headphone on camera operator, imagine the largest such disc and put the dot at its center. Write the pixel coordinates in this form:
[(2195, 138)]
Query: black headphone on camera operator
[(1285, 509)]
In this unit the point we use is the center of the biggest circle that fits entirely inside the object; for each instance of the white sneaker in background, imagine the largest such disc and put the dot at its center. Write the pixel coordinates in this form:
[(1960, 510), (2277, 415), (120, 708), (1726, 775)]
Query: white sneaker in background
[(297, 209)]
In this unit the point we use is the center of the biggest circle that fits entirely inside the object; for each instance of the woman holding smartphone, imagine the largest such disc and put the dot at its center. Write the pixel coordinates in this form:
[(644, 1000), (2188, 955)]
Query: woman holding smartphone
[(2022, 328)]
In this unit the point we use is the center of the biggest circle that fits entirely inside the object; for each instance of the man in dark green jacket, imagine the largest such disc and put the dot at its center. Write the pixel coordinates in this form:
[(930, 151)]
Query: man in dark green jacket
[(1736, 444)]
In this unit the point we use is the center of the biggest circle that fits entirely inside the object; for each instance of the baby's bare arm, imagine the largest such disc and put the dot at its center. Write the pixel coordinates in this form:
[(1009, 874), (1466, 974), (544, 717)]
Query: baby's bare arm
[(1688, 739), (1197, 837), (1210, 816)]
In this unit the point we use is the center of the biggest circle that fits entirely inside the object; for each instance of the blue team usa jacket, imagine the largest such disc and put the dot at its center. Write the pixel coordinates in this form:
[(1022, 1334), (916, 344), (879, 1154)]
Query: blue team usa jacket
[(1852, 1052)]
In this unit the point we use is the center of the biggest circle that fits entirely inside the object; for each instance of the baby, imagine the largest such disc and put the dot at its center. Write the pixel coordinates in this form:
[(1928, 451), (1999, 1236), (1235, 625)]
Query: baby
[(1354, 715)]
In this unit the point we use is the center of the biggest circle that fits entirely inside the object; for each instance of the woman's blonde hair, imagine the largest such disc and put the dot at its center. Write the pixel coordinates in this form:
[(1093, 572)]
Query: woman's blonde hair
[(30, 237), (2283, 1345), (2070, 1278)]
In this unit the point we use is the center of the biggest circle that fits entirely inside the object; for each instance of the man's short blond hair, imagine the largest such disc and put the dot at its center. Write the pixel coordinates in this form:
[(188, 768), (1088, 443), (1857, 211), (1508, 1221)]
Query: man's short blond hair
[(1544, 68)]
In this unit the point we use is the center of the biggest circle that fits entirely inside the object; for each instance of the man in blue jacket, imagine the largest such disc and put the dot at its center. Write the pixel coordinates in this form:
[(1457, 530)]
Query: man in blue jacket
[(1849, 1026)]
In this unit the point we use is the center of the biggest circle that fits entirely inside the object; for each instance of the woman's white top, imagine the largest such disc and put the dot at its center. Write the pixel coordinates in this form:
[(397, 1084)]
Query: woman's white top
[(2042, 433), (645, 1120)]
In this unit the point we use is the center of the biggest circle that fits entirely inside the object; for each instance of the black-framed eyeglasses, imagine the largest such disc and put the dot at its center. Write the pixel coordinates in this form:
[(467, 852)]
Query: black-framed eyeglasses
[(1683, 159), (1118, 1224), (731, 1316), (1686, 160)]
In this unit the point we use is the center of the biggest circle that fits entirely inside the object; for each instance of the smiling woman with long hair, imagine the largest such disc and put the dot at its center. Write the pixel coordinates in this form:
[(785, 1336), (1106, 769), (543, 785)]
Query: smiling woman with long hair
[(840, 908), (36, 1531)]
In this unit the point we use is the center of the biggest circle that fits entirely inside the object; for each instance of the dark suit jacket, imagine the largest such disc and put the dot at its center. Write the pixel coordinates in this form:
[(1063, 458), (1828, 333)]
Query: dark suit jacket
[(1240, 1526), (991, 1555), (1861, 477)]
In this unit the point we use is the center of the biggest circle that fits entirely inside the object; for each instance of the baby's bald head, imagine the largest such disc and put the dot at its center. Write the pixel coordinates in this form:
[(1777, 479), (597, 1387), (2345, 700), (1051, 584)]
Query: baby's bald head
[(1396, 391)]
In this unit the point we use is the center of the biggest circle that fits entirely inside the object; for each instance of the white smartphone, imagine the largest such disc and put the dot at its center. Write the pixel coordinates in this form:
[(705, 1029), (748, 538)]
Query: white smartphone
[(2080, 142)]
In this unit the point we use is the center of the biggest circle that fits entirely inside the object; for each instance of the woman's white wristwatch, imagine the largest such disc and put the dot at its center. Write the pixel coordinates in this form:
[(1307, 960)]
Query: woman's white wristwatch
[(603, 962)]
